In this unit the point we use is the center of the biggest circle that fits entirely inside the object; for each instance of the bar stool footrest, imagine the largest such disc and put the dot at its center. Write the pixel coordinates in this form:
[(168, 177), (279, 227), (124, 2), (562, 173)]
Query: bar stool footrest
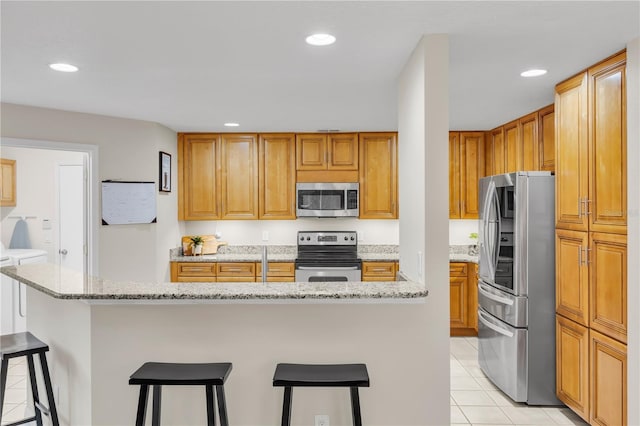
[(21, 422)]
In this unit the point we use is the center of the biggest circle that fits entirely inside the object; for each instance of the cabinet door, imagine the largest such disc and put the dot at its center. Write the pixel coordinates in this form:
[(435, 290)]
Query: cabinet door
[(488, 154), (277, 183), (473, 296), (471, 170), (528, 143), (511, 149), (239, 176), (378, 271), (342, 151), (497, 137), (547, 138), (608, 381), (193, 272), (571, 153), (608, 284), (198, 180), (7, 182), (311, 151), (572, 365), (608, 146), (378, 176), (458, 302), (454, 175), (572, 275)]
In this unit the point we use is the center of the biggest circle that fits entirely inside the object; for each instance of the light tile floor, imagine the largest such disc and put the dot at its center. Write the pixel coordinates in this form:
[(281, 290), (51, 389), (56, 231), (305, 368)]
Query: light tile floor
[(475, 400)]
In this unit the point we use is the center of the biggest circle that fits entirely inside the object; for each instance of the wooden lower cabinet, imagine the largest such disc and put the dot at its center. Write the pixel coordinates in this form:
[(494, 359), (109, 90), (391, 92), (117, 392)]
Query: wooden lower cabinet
[(608, 380), (379, 271), (572, 365), (231, 272), (463, 299), (193, 271), (277, 272)]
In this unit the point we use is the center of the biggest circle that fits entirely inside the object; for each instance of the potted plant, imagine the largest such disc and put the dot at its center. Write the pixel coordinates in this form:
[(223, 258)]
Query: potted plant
[(196, 244)]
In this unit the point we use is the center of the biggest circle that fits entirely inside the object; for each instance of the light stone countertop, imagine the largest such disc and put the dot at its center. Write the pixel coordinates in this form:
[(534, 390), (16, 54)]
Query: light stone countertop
[(64, 283)]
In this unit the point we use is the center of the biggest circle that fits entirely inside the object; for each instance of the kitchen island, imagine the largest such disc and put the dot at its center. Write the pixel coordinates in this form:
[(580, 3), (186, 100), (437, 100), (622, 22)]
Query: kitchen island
[(100, 331)]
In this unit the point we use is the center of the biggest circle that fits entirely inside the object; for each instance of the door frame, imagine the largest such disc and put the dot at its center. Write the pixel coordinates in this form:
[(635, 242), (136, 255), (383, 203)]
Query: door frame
[(92, 198), (85, 249)]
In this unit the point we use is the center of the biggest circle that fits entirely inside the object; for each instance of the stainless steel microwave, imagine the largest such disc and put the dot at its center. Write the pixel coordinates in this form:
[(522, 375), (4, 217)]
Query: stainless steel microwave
[(335, 199)]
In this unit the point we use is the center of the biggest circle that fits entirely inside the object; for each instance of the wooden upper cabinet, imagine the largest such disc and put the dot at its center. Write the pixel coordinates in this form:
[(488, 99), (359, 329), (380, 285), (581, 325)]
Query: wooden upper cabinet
[(311, 151), (471, 170), (511, 148), (378, 175), (336, 151), (488, 154), (608, 146), (547, 138), (497, 142), (571, 154), (454, 175), (572, 365), (7, 182), (528, 143), (342, 151), (239, 176), (198, 177), (572, 275), (608, 385), (277, 181)]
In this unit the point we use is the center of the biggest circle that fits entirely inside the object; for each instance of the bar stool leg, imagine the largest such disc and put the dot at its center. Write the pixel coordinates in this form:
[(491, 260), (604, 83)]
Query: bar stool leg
[(222, 406), (49, 389), (157, 397), (34, 389), (3, 382), (286, 406), (211, 413), (142, 405), (355, 407)]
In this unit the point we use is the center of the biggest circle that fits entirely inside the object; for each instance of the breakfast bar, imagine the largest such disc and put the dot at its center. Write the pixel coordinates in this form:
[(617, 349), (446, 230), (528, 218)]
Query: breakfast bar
[(100, 331)]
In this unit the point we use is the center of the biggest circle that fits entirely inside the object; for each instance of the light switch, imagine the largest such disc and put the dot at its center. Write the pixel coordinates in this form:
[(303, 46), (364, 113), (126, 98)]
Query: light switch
[(46, 224)]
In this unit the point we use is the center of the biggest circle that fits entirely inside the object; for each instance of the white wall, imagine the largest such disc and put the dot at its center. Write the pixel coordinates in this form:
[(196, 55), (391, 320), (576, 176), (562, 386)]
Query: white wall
[(459, 230), (128, 150), (36, 187), (633, 230), (423, 128)]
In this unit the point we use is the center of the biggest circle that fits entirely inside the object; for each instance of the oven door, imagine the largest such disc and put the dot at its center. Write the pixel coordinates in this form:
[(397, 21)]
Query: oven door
[(328, 273)]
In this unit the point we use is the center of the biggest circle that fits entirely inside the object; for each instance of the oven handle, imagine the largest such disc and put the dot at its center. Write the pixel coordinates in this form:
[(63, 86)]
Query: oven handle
[(327, 268)]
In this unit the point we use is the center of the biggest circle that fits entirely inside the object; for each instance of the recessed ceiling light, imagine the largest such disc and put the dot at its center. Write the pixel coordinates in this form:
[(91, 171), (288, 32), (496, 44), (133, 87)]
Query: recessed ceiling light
[(231, 124), (63, 67), (320, 39), (533, 73)]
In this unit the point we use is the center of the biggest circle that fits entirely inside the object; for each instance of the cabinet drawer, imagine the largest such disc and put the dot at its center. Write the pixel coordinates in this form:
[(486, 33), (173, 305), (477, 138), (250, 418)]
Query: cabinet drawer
[(277, 269), (458, 269), (379, 270), (197, 269), (236, 269)]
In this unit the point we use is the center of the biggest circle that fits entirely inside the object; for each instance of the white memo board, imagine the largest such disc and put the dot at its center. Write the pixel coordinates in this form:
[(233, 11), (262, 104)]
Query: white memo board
[(126, 203)]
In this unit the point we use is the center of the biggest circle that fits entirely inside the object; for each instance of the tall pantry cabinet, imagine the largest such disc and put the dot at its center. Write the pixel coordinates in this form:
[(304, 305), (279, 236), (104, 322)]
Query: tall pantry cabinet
[(591, 244)]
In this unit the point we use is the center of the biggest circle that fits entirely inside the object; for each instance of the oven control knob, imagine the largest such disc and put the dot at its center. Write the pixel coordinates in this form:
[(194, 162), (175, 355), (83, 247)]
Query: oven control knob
[(301, 238), (346, 238), (308, 238), (352, 238)]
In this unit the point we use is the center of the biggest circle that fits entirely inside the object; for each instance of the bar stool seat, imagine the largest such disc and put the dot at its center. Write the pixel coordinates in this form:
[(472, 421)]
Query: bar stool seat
[(352, 376), (26, 344), (158, 374)]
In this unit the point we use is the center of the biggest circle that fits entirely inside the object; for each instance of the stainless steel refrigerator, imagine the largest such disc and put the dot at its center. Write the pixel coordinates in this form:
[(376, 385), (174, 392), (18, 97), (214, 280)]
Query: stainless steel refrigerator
[(516, 285)]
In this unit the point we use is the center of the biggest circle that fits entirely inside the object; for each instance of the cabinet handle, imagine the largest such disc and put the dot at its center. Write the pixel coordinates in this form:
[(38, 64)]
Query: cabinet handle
[(580, 202), (587, 210), (586, 256)]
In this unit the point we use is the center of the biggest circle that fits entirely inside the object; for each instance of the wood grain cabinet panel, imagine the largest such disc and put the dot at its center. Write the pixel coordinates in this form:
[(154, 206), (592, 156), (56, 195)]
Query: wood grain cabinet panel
[(572, 275), (489, 169), (198, 176), (511, 146), (342, 151), (236, 271), (239, 176), (471, 170), (547, 138), (277, 181), (572, 365), (278, 272), (333, 151), (458, 302), (528, 143), (608, 381), (8, 196), (463, 299), (379, 271), (378, 167), (193, 272), (311, 151), (497, 142), (454, 175), (607, 146)]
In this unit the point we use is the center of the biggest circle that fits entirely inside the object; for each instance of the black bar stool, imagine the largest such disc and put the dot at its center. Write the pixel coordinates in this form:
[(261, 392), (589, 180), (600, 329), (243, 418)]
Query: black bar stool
[(352, 376), (26, 344), (160, 374)]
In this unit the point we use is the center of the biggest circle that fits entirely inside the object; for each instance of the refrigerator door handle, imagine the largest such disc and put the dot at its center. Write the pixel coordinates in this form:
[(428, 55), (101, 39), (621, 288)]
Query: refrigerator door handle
[(489, 247), (492, 326), (485, 292), (496, 254)]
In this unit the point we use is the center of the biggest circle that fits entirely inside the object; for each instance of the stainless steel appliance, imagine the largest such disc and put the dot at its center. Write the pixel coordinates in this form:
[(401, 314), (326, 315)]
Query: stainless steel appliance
[(327, 199), (516, 288), (328, 256)]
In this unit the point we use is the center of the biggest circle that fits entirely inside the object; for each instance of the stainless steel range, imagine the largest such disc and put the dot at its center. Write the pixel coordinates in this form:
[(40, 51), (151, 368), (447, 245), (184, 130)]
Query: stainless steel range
[(328, 256)]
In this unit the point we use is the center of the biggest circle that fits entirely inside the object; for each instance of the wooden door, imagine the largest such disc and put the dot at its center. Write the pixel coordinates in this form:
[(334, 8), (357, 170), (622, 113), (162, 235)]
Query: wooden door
[(572, 275), (378, 175), (311, 151), (511, 149), (471, 170), (608, 146), (608, 381), (571, 153), (342, 151), (198, 176), (7, 182), (572, 365), (488, 155), (277, 182), (239, 176), (608, 284), (547, 138), (528, 143), (454, 175), (497, 137)]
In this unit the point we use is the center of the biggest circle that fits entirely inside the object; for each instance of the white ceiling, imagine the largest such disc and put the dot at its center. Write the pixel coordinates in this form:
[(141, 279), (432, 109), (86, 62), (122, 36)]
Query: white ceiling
[(194, 65)]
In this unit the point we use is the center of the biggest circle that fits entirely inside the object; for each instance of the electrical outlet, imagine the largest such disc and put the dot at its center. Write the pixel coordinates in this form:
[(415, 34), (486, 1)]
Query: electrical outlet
[(360, 236), (322, 420), (265, 235)]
